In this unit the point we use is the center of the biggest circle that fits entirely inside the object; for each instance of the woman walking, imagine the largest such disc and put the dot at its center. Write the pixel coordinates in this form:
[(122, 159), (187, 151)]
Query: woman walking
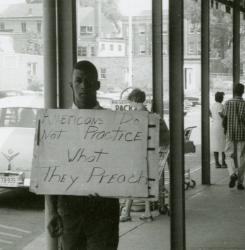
[(217, 130)]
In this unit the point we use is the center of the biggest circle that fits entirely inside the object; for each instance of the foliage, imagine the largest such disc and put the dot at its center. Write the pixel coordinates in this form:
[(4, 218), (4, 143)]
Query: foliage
[(220, 31), (109, 9), (33, 45), (192, 11), (34, 85)]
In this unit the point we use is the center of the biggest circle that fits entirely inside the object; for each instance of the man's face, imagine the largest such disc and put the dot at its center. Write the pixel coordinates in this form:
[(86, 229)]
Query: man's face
[(84, 86)]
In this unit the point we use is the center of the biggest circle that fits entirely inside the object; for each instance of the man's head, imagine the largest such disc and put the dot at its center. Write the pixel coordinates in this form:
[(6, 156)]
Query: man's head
[(85, 84), (238, 89)]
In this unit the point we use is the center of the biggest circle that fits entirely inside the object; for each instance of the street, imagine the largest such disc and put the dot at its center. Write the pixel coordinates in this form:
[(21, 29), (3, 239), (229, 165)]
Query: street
[(21, 218)]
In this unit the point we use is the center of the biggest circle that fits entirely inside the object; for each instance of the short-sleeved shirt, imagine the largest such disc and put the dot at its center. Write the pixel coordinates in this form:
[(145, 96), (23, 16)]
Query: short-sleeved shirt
[(234, 109)]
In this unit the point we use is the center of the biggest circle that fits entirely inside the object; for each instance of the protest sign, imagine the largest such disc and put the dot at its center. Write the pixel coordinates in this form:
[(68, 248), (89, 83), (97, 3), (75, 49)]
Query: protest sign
[(82, 152)]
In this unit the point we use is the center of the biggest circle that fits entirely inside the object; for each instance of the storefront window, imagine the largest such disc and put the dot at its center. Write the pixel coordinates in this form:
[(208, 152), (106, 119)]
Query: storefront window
[(21, 53), (120, 33)]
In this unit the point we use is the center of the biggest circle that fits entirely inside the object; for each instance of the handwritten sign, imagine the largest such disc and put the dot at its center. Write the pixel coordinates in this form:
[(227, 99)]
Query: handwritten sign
[(82, 152)]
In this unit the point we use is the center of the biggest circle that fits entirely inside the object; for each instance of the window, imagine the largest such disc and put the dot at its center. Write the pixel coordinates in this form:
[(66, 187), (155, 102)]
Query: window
[(32, 68), (2, 26), (82, 51), (89, 29), (199, 47), (86, 30), (39, 27), (79, 52), (23, 27), (102, 73), (198, 27), (142, 29), (191, 47), (142, 50), (114, 48), (93, 51), (191, 27), (82, 29)]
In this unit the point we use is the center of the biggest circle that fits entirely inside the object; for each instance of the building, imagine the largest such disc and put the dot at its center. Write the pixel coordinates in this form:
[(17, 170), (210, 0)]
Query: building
[(122, 52), (96, 35), (22, 22)]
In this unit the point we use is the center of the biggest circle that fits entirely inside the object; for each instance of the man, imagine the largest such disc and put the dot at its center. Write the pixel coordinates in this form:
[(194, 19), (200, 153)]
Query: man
[(85, 222), (234, 112)]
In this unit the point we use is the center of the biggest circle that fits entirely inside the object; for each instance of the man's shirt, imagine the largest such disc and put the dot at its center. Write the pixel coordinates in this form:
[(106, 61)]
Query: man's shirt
[(234, 109)]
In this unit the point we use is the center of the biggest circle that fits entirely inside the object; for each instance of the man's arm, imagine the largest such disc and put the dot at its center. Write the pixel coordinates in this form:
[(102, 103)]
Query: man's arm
[(52, 204), (55, 225)]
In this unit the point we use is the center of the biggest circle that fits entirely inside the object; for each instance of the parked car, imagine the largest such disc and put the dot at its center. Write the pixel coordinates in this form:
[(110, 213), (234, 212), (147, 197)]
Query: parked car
[(9, 93), (17, 130)]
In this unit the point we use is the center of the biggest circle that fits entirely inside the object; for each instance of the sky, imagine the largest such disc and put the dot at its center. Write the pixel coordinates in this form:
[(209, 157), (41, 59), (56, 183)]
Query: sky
[(126, 6), (135, 6), (5, 3)]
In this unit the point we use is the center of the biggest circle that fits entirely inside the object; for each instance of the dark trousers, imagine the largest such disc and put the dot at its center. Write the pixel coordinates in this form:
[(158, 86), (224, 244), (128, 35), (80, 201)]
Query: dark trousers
[(95, 226)]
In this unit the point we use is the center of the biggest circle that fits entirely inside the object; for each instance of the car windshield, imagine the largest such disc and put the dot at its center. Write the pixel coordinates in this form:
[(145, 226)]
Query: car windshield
[(18, 117)]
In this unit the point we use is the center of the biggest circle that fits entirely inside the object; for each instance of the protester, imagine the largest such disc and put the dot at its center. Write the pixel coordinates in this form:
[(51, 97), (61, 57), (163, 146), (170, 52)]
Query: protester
[(137, 99), (234, 114), (217, 130), (85, 222)]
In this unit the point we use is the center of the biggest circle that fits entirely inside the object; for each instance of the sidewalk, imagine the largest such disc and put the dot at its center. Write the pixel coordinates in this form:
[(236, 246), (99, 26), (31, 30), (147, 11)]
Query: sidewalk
[(215, 217)]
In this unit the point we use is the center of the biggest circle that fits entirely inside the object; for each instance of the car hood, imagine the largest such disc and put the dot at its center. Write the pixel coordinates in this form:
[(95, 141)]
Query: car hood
[(16, 149)]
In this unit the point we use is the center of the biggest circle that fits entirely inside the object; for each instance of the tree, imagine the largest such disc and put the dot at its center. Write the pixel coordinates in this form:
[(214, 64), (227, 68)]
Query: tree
[(110, 10), (220, 29), (108, 7), (33, 45), (192, 11)]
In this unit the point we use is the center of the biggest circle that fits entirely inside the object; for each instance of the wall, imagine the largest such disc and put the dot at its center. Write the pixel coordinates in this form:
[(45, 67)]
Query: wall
[(14, 70)]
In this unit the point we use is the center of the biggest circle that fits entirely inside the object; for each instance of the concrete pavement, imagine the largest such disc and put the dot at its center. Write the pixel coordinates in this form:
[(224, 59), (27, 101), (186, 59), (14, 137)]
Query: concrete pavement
[(215, 218)]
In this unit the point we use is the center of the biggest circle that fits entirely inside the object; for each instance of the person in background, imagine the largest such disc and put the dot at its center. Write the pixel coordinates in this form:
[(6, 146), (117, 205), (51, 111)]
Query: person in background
[(137, 98), (234, 113), (217, 130), (85, 222)]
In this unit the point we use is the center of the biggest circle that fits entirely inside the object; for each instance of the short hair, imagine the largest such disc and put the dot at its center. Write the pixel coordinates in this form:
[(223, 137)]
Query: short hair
[(238, 89), (219, 96), (88, 67), (137, 95)]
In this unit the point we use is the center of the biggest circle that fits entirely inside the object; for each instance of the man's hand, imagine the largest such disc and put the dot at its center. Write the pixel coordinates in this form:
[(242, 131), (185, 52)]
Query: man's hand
[(55, 226)]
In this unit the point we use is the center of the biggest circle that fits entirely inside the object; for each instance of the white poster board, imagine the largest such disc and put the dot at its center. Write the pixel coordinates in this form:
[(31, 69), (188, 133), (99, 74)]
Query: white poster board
[(82, 152)]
